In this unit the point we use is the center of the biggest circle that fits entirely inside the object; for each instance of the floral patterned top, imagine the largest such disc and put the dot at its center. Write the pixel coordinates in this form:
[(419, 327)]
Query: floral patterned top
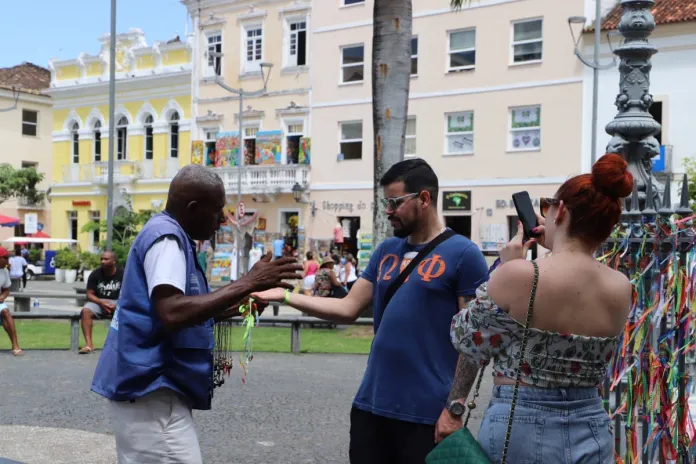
[(484, 331), (322, 283)]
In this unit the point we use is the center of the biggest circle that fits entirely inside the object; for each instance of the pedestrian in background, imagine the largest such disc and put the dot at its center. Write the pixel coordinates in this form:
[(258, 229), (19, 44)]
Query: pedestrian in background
[(7, 321), (18, 269)]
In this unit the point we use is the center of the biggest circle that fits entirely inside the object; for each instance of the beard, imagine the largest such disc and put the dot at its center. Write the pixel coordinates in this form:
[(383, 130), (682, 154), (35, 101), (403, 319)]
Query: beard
[(401, 230)]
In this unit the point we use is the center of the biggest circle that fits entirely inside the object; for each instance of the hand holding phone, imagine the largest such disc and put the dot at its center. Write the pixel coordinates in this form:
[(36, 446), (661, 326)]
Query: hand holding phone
[(526, 213)]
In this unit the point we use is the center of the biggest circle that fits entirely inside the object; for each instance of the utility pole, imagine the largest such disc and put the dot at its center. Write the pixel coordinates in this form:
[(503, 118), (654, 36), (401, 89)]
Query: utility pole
[(112, 131)]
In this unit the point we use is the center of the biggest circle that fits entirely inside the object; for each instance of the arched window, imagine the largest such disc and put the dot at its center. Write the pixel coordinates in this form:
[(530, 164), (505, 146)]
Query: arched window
[(121, 138), (97, 141), (75, 136), (174, 135), (149, 146)]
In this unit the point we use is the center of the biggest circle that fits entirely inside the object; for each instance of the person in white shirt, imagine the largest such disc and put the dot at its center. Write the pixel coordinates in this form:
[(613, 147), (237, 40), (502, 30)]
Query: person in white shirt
[(7, 321), (18, 267)]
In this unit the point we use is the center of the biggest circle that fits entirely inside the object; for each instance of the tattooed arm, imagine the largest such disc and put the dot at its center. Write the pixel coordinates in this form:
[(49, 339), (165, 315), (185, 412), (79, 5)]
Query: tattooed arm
[(464, 379)]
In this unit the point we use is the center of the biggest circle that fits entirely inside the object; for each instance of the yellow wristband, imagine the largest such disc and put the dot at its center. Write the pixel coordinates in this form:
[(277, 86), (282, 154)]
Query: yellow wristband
[(287, 296)]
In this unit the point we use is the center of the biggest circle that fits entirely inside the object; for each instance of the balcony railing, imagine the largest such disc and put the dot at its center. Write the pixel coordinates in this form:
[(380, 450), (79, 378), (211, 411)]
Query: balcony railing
[(27, 203), (124, 171), (265, 179)]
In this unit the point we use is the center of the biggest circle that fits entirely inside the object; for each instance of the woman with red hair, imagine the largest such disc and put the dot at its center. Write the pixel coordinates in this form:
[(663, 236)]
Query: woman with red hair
[(575, 308)]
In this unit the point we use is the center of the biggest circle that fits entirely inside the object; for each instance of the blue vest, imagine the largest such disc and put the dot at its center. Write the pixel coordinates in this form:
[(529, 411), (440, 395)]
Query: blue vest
[(139, 355)]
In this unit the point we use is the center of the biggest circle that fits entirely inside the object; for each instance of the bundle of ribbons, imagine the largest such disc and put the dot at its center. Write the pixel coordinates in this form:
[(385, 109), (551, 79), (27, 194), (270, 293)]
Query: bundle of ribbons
[(649, 374), (223, 356)]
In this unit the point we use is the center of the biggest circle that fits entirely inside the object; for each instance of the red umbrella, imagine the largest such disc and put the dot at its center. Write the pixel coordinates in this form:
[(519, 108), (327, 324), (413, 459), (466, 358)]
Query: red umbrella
[(8, 221), (39, 234)]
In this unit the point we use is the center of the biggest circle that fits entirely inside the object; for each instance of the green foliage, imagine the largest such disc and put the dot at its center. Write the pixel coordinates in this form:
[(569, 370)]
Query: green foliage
[(34, 255), (690, 166), (127, 224), (90, 261), (19, 183), (458, 4), (67, 259)]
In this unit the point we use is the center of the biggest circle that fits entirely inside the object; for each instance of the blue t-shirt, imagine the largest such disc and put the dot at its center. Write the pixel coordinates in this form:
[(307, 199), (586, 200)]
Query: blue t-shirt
[(412, 362)]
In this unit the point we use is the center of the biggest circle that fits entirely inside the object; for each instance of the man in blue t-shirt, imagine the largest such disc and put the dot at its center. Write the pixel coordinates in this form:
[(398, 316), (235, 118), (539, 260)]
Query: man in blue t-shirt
[(414, 388)]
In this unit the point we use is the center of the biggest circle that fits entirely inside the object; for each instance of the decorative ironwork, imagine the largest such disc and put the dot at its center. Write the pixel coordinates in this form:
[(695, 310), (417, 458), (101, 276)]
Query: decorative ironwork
[(633, 129)]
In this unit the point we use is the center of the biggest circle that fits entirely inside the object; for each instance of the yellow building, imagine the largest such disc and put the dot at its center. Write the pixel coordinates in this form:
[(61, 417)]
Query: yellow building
[(153, 125)]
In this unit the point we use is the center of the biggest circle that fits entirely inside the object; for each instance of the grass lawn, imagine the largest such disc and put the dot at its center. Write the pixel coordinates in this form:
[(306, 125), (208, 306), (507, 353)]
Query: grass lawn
[(56, 335)]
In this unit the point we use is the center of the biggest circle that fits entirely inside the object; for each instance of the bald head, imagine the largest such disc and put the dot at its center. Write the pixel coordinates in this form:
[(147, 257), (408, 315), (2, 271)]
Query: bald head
[(196, 200)]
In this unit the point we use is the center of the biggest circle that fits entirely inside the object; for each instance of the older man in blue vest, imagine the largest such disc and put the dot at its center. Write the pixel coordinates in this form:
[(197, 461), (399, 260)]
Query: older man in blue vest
[(157, 363)]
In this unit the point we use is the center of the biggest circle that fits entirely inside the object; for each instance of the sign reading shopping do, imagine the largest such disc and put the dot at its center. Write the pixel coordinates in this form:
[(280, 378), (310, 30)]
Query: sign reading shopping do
[(456, 201)]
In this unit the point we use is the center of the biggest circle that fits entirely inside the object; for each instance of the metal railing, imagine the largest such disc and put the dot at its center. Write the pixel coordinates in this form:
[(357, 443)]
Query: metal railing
[(27, 203), (277, 178), (124, 171)]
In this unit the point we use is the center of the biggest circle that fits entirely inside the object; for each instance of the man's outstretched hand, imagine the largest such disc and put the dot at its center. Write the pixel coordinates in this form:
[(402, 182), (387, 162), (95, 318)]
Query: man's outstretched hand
[(268, 274)]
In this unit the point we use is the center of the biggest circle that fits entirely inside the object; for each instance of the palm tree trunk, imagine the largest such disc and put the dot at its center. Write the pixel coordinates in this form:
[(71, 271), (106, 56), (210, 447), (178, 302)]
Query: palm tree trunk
[(391, 71)]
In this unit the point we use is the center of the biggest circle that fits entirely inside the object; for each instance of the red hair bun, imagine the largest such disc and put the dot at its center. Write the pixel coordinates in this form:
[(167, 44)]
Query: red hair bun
[(610, 176)]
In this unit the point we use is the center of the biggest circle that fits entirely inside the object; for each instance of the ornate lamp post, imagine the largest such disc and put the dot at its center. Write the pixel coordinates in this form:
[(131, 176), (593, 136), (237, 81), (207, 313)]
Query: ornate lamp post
[(633, 129)]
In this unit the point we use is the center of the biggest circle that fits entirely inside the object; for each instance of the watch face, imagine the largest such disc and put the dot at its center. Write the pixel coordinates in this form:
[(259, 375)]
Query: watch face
[(456, 408)]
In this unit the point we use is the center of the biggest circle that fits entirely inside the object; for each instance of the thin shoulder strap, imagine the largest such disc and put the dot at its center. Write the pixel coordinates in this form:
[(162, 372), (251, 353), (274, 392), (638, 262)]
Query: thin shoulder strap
[(520, 357)]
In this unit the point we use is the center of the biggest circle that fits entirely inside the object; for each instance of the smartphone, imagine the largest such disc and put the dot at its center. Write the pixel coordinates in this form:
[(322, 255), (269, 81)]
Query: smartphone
[(526, 213)]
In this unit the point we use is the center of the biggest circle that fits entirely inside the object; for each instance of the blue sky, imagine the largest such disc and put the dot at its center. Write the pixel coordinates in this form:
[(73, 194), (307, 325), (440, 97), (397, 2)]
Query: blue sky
[(38, 30)]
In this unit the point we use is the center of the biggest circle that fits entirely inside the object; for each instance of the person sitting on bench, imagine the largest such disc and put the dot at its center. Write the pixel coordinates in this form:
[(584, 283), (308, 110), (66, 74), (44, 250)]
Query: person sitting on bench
[(103, 290), (5, 284)]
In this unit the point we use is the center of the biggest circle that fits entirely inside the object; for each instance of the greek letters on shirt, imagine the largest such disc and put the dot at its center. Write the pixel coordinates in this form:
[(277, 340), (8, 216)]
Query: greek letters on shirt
[(431, 268)]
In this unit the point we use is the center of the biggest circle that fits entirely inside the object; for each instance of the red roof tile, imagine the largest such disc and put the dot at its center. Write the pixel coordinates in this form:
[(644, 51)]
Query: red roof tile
[(29, 77), (664, 11)]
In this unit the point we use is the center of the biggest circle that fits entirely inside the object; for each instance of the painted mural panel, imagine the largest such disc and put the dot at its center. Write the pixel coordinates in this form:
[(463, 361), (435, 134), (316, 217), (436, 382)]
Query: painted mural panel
[(268, 147), (227, 148)]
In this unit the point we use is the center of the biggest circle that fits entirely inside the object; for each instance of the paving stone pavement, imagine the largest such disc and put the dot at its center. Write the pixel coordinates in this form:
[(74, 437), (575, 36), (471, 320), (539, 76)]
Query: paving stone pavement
[(292, 410)]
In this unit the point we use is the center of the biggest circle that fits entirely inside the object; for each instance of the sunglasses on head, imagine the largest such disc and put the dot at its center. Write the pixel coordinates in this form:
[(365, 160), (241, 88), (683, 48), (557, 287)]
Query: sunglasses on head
[(545, 204)]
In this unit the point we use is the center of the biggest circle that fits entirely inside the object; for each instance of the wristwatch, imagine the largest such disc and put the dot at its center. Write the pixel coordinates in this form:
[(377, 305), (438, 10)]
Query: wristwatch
[(456, 408)]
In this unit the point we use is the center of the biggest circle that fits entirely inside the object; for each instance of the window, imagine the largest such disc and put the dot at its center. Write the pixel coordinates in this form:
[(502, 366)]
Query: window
[(527, 41), (414, 56), (149, 141), (30, 164), (30, 121), (72, 225), (97, 142), (210, 142), (214, 65), (353, 2), (297, 44), (122, 138), (352, 63), (174, 135), (75, 136), (462, 50), (294, 135), (254, 48), (460, 133), (351, 140), (410, 148), (250, 144), (525, 128), (95, 216)]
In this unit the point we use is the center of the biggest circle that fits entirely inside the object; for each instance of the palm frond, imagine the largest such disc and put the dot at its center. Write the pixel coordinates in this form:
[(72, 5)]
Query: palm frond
[(458, 4)]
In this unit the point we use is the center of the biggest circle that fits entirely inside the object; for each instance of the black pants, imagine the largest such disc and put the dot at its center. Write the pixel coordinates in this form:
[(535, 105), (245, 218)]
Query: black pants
[(380, 440)]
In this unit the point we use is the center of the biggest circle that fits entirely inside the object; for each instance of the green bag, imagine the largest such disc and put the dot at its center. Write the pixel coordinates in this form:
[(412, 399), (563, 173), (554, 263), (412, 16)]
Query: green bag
[(461, 447)]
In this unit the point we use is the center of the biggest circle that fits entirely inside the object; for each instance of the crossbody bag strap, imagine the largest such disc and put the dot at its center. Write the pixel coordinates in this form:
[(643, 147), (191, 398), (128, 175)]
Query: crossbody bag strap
[(412, 265), (523, 348)]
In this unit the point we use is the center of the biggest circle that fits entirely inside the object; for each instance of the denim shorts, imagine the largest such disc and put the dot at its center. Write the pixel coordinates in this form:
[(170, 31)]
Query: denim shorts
[(551, 426)]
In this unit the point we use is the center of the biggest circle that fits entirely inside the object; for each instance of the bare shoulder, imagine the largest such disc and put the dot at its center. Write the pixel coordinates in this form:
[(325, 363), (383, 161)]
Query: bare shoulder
[(619, 290), (510, 281)]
